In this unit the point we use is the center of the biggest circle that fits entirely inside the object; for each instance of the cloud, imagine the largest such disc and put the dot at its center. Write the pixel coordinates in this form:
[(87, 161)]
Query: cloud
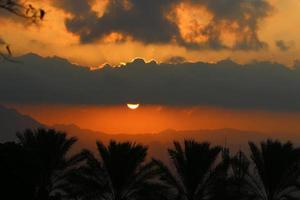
[(156, 22), (257, 85), (6, 14), (139, 19), (284, 46), (2, 42), (76, 7), (176, 60)]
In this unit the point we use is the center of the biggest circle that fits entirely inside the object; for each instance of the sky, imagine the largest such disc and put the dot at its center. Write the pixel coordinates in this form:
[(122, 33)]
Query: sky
[(92, 33), (191, 64), (259, 96), (116, 119)]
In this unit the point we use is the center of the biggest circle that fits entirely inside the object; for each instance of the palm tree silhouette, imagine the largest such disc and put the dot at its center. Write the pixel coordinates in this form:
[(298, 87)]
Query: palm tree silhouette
[(121, 173), (276, 171), (15, 175), (196, 171), (47, 151), (237, 173)]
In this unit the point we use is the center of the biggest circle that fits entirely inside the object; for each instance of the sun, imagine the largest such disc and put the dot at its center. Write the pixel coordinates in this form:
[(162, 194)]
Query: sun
[(133, 106)]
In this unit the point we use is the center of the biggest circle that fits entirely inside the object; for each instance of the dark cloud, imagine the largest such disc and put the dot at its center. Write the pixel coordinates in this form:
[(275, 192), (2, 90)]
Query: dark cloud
[(258, 85), (242, 16), (283, 46), (139, 19), (76, 7), (175, 60), (6, 14), (20, 11), (146, 21)]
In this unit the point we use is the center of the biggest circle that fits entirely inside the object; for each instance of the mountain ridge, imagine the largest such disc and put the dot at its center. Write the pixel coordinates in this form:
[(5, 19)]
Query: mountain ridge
[(11, 121)]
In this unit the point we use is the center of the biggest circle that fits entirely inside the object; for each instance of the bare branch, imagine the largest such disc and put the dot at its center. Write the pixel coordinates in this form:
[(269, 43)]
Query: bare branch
[(26, 11)]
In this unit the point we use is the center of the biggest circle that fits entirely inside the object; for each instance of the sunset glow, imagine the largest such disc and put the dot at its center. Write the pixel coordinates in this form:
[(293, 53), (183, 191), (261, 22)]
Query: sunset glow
[(156, 118)]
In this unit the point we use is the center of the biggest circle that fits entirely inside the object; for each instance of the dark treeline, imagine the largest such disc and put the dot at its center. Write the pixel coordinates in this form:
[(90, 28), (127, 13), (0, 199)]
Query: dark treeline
[(39, 166)]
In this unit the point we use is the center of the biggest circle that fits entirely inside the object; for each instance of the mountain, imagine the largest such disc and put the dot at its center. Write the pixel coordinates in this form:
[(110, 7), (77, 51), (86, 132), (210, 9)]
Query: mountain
[(159, 142), (12, 121)]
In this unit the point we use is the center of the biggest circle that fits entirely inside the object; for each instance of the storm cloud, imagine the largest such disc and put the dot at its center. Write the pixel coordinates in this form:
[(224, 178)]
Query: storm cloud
[(155, 22), (258, 85)]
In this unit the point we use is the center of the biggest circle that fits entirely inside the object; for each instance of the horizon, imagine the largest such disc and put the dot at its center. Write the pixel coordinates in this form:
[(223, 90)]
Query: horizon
[(109, 113), (100, 118)]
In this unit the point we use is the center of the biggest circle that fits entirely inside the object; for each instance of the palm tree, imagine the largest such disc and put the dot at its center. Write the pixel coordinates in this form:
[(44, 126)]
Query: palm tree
[(47, 151), (120, 174), (15, 177), (196, 171), (276, 171), (238, 173)]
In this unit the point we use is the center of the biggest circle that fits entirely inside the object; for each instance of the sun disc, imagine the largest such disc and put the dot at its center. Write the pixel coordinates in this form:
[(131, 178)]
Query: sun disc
[(133, 106)]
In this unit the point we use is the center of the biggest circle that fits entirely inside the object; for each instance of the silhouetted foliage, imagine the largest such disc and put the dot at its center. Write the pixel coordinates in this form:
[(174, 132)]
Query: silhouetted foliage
[(196, 170), (276, 171), (37, 163), (38, 167), (238, 171), (48, 150), (16, 174), (120, 174)]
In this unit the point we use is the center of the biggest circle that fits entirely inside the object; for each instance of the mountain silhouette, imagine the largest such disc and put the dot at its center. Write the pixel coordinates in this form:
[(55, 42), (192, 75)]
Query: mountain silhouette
[(159, 142), (11, 121)]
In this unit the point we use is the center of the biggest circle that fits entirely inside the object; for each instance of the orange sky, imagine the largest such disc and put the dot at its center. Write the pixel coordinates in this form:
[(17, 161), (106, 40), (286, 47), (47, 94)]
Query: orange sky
[(52, 38), (155, 118)]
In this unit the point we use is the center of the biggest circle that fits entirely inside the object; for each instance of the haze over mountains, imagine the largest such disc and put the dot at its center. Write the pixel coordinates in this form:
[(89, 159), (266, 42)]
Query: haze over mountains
[(12, 121)]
